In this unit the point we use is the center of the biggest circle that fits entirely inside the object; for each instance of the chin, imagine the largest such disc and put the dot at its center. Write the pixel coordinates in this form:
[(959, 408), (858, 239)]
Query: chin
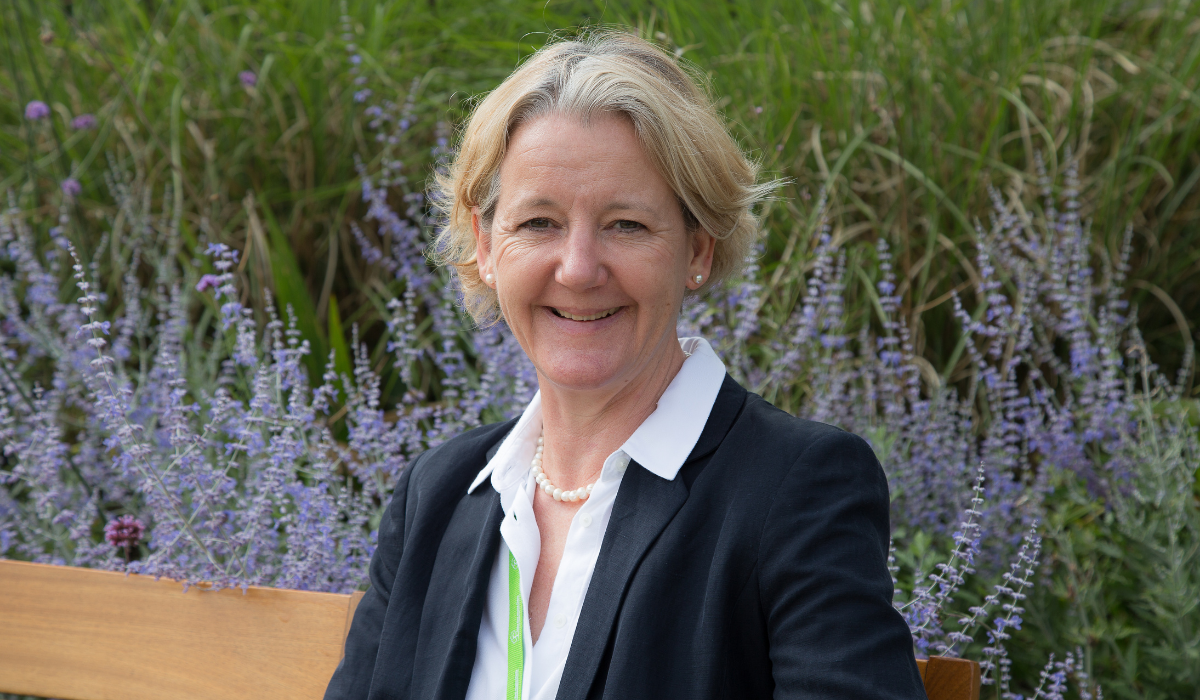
[(580, 371)]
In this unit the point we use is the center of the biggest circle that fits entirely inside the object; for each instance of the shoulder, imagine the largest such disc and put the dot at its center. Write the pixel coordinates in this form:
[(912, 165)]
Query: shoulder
[(781, 442), (785, 459), (455, 463), (815, 483)]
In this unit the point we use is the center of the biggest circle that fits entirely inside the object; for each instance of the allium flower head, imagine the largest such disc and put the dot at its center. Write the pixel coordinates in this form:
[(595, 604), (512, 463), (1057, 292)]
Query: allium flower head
[(248, 78), (71, 187), (36, 111), (125, 531), (83, 121)]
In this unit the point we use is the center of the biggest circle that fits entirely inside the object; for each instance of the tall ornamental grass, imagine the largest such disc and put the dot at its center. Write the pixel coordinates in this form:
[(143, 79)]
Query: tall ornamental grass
[(907, 113), (222, 342)]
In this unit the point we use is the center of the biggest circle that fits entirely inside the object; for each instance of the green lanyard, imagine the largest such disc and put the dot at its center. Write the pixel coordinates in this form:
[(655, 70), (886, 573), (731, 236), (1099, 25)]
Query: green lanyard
[(516, 631)]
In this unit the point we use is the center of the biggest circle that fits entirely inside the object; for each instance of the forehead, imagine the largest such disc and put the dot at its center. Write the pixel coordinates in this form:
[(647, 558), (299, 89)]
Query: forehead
[(559, 156)]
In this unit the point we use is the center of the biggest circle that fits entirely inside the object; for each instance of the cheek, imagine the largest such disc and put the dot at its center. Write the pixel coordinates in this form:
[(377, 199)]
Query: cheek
[(520, 268), (510, 252), (659, 278), (666, 263)]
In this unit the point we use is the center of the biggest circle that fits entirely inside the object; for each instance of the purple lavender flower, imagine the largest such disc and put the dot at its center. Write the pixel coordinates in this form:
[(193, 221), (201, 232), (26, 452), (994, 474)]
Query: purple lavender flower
[(362, 95), (36, 111), (83, 121), (208, 282), (71, 187), (248, 78)]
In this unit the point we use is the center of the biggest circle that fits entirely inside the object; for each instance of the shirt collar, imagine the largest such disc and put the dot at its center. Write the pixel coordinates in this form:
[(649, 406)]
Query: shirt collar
[(661, 443)]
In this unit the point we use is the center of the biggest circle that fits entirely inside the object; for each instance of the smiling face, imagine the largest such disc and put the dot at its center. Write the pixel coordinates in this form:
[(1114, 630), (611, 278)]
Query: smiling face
[(589, 253)]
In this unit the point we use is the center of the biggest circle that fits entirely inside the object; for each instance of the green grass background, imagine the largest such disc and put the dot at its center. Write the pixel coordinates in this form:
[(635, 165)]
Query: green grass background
[(906, 112)]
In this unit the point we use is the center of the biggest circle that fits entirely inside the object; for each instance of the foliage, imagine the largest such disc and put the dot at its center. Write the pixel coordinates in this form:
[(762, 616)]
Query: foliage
[(221, 342), (1126, 572), (232, 466), (905, 112)]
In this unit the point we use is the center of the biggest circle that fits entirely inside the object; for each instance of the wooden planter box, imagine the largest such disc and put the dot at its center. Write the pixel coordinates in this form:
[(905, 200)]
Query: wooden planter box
[(83, 634)]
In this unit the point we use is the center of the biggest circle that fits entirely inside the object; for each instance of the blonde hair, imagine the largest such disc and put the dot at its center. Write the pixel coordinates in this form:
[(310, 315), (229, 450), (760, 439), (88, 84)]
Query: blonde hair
[(603, 72)]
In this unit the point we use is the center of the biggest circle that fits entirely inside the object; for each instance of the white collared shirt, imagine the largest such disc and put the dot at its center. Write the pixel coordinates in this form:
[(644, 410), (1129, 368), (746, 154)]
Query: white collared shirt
[(661, 444)]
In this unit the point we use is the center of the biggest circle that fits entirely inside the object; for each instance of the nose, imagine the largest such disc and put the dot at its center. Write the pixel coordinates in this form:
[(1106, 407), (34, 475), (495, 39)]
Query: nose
[(581, 266)]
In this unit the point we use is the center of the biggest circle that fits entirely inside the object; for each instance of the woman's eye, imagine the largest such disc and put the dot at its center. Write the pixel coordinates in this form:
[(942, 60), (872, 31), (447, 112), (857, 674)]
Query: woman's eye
[(625, 225), (538, 223)]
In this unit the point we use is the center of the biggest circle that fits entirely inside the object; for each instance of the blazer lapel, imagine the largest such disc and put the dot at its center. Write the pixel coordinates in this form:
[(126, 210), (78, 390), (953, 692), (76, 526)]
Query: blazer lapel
[(449, 631), (645, 505)]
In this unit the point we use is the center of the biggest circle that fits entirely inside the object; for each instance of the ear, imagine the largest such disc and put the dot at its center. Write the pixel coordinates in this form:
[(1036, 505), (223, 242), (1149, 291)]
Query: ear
[(703, 247), (483, 247)]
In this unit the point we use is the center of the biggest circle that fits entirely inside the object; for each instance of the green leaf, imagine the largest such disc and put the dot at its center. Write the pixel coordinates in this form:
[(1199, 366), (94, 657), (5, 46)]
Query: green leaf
[(337, 339), (292, 292)]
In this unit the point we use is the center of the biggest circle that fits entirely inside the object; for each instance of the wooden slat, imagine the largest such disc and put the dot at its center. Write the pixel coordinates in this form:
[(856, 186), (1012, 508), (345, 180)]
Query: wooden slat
[(81, 634), (949, 679), (355, 598)]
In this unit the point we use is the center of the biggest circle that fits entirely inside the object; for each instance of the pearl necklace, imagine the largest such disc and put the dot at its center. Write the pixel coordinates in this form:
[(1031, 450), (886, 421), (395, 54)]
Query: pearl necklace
[(543, 481)]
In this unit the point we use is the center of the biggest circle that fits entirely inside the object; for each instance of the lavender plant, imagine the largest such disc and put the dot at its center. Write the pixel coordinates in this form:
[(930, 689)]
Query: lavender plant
[(1124, 571), (156, 421), (239, 478)]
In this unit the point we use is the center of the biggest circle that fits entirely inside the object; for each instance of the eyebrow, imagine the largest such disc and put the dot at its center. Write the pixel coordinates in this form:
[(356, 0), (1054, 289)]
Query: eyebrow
[(614, 206), (628, 206)]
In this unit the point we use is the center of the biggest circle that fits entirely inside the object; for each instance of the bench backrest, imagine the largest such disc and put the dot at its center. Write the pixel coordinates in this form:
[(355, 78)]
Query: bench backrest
[(82, 634)]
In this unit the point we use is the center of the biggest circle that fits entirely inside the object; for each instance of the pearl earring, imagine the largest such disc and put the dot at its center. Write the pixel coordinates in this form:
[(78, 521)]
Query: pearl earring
[(698, 278), (489, 278)]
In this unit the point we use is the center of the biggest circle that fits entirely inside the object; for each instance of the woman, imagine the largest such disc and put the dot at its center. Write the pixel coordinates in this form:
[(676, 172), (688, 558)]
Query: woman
[(647, 528)]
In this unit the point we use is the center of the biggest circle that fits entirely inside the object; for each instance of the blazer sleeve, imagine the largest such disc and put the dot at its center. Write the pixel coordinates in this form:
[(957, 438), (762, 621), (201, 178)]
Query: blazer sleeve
[(825, 587), (352, 679)]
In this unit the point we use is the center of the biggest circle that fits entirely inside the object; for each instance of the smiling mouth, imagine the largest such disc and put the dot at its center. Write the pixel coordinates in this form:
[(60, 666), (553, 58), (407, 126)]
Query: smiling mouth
[(593, 317)]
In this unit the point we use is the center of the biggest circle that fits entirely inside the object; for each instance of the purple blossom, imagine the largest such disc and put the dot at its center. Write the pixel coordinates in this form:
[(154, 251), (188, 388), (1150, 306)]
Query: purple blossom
[(208, 282), (36, 111), (248, 78), (71, 187), (83, 121), (125, 531)]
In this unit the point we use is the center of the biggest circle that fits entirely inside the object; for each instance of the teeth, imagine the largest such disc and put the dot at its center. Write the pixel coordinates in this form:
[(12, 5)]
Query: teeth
[(593, 317)]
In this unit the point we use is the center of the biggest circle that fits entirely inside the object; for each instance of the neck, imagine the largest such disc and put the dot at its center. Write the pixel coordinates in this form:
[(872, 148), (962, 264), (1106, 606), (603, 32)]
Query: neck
[(583, 427)]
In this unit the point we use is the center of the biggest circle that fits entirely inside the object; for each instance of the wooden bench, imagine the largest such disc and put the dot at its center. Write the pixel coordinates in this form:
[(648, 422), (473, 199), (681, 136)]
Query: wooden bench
[(82, 634)]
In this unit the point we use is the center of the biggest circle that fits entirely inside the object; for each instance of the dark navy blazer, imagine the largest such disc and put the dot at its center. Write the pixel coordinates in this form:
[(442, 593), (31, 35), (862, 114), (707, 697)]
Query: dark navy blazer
[(760, 571)]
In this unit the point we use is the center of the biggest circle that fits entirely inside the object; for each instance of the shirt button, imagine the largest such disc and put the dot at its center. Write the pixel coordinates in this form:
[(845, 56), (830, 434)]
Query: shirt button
[(560, 620), (585, 520), (621, 465)]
